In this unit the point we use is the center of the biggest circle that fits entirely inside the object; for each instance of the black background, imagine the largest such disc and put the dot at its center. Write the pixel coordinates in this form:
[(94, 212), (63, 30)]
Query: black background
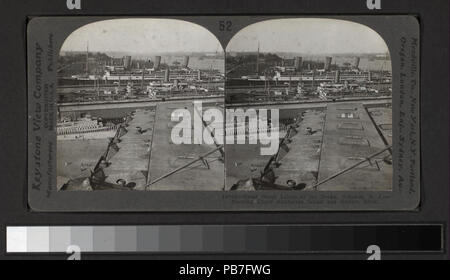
[(434, 20)]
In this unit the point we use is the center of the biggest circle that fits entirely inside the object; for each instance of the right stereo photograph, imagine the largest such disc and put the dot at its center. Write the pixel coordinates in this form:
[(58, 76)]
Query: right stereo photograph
[(308, 107)]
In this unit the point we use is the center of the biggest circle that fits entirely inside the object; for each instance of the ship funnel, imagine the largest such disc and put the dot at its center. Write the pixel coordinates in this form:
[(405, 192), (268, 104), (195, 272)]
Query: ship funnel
[(356, 62), (185, 62), (298, 63), (127, 62), (167, 75), (337, 77), (327, 63)]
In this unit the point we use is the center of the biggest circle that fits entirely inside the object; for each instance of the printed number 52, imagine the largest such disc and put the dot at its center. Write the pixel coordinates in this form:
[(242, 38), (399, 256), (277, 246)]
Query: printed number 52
[(225, 25), (375, 253), (73, 4), (74, 253)]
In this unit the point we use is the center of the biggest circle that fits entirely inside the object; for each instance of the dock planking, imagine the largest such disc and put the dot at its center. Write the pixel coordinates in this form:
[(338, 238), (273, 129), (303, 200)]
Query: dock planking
[(167, 156), (301, 163), (350, 136), (131, 161)]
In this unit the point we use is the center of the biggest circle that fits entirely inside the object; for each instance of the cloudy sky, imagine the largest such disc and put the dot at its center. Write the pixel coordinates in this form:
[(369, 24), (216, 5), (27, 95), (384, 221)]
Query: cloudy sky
[(309, 36), (142, 36)]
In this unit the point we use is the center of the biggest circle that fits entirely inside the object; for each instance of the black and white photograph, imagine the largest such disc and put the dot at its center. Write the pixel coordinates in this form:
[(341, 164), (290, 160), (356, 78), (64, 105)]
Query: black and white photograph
[(331, 82), (225, 131), (120, 84), (280, 113)]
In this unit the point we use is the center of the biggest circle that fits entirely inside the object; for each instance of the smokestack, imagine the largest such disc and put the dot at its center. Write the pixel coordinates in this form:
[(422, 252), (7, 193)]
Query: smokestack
[(167, 75), (298, 63), (199, 75), (257, 61), (356, 62), (185, 62), (327, 63), (127, 62), (157, 62), (337, 77)]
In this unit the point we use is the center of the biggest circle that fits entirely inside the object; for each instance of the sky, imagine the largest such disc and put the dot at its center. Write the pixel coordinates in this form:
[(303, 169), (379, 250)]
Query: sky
[(308, 36), (142, 36)]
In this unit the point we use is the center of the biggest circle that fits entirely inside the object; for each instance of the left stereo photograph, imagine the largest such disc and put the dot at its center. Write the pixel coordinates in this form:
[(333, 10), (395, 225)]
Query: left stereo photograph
[(122, 87)]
